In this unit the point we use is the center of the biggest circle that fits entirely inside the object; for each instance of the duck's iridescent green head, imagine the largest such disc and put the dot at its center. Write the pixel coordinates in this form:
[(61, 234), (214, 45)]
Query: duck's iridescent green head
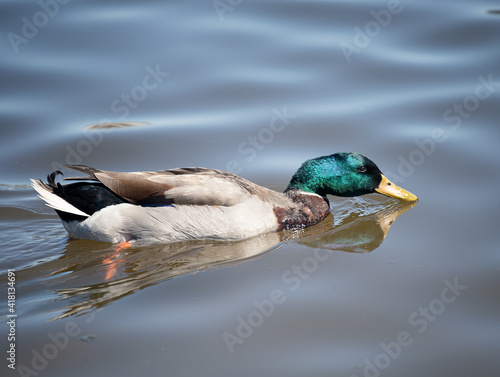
[(345, 174)]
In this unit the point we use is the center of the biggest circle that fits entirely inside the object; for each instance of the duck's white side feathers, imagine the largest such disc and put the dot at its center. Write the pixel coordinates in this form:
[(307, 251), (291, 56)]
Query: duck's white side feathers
[(125, 222)]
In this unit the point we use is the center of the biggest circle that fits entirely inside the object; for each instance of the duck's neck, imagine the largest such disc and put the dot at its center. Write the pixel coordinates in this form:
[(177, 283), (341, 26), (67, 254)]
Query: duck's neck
[(310, 209)]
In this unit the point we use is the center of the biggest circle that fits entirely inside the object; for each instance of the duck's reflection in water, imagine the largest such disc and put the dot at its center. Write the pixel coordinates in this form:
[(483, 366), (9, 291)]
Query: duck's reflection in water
[(357, 232), (97, 275)]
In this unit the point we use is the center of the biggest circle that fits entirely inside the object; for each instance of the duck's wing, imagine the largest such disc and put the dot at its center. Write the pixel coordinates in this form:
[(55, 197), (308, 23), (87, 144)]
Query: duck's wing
[(188, 186)]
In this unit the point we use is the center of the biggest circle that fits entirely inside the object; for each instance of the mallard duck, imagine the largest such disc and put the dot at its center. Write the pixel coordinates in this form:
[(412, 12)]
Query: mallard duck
[(200, 203)]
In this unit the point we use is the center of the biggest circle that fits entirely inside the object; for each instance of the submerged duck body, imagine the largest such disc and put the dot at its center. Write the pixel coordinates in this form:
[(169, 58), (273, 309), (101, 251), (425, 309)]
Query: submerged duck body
[(200, 203)]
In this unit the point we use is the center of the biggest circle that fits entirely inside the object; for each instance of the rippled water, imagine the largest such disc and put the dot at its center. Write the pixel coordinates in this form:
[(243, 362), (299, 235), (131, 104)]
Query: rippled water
[(257, 87)]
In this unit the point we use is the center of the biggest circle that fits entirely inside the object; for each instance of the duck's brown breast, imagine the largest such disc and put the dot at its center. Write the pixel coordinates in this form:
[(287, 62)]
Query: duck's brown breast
[(309, 210)]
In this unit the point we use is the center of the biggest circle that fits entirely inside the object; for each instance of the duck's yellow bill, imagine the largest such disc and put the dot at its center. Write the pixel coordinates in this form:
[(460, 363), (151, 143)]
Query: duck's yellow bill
[(388, 188)]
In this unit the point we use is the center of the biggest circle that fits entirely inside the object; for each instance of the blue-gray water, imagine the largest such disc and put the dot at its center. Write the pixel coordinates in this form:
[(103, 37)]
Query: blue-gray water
[(257, 87)]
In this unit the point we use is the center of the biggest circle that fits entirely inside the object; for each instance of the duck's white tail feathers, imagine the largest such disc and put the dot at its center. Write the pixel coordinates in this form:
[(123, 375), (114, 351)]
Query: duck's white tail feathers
[(52, 200)]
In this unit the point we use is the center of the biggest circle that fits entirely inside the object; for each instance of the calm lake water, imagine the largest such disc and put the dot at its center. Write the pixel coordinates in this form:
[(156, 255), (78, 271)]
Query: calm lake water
[(256, 87)]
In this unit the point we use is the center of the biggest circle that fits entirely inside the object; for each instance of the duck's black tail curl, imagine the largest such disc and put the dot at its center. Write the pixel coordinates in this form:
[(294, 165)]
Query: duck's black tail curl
[(51, 179)]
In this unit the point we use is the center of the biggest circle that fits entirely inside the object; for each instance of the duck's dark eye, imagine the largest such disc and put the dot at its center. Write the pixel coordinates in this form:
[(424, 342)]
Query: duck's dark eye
[(362, 169)]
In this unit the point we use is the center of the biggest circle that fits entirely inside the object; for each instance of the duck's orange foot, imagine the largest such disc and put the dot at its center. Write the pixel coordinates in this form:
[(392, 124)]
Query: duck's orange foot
[(122, 246)]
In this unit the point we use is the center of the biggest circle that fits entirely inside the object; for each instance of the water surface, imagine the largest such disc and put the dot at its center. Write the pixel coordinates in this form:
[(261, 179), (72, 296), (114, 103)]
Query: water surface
[(257, 90)]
